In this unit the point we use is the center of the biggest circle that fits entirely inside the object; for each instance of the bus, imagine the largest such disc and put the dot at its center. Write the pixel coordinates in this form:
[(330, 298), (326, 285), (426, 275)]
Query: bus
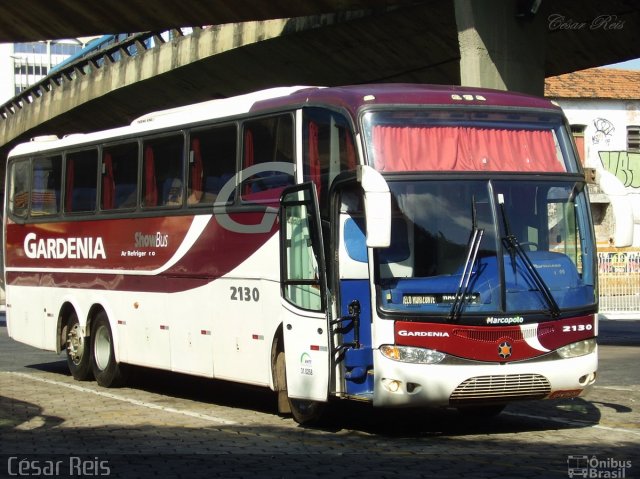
[(402, 245)]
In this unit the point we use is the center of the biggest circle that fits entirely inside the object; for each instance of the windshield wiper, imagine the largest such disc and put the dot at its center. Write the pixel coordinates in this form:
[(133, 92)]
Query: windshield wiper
[(515, 249), (472, 253)]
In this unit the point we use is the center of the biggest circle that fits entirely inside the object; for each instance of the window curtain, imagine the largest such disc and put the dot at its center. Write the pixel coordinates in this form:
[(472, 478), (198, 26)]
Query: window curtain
[(108, 183), (314, 156), (150, 186), (68, 198), (351, 152), (451, 148), (248, 157), (196, 167)]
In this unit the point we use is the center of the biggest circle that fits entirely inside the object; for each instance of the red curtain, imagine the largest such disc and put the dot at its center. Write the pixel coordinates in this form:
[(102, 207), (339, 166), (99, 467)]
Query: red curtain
[(314, 157), (248, 156), (351, 152), (451, 148), (196, 167), (108, 184), (68, 202), (150, 186)]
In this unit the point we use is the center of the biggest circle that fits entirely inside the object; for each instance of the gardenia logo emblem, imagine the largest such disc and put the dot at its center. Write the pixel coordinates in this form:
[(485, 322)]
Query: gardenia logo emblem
[(440, 334), (63, 248)]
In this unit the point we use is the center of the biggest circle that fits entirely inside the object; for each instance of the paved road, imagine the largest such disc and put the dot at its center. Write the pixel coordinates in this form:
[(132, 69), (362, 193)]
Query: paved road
[(168, 425)]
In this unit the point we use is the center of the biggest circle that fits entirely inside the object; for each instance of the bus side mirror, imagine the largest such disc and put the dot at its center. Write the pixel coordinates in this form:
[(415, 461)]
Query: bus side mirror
[(377, 207)]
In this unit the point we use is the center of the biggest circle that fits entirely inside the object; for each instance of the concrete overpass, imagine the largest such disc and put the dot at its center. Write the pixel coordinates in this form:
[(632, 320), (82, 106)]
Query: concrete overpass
[(494, 43)]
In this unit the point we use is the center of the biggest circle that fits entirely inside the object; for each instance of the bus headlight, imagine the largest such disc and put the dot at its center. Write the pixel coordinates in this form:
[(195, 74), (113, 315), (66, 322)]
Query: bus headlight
[(580, 348), (408, 354)]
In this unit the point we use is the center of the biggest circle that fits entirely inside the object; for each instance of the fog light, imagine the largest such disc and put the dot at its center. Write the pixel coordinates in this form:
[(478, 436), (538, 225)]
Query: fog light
[(587, 379), (391, 385)]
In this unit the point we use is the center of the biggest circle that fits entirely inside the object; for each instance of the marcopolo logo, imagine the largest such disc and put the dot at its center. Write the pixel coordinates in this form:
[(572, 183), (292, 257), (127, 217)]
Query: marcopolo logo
[(505, 320), (63, 248)]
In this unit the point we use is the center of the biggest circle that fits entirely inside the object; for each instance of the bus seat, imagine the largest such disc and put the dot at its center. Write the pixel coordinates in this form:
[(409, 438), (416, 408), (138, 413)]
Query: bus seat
[(172, 191), (355, 240), (353, 254), (83, 199), (125, 195), (397, 260)]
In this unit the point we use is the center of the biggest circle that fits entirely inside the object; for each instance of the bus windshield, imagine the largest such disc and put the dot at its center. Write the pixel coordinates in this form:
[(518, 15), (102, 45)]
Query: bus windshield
[(454, 248)]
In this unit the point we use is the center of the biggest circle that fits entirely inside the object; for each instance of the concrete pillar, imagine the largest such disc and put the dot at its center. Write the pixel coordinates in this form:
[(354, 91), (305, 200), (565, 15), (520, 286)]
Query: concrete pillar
[(502, 44)]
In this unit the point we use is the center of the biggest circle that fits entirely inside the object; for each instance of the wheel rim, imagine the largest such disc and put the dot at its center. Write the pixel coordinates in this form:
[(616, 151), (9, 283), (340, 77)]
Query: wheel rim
[(75, 344), (102, 347)]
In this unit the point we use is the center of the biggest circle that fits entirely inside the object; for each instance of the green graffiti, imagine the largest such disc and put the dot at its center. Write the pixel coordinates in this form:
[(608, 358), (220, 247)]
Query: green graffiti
[(624, 164)]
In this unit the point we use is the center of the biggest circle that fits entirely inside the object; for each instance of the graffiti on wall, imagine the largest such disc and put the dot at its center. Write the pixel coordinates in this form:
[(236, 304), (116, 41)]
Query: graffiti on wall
[(624, 164), (621, 262), (604, 131)]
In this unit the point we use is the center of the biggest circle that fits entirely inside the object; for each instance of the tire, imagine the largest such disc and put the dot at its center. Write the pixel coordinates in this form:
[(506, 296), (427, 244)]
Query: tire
[(307, 413), (304, 412), (78, 350), (106, 370)]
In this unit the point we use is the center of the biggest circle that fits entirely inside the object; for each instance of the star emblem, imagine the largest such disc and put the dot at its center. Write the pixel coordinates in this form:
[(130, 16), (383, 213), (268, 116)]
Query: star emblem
[(504, 350)]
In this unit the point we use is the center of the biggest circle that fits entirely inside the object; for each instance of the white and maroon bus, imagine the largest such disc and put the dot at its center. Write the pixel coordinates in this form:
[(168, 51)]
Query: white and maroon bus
[(406, 245)]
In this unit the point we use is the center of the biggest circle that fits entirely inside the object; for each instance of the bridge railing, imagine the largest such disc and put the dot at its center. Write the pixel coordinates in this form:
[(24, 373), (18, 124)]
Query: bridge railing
[(132, 45)]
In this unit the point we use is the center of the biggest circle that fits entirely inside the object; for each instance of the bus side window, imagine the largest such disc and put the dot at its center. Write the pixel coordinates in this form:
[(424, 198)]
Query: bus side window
[(328, 150), (19, 188), (212, 163), (81, 181), (264, 141), (45, 187), (163, 171), (120, 176)]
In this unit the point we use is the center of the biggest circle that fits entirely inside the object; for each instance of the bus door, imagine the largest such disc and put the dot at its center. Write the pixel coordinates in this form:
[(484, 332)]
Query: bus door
[(304, 298), (354, 330)]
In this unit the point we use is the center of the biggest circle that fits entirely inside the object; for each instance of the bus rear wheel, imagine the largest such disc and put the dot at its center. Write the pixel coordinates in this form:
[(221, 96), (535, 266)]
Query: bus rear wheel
[(106, 370), (78, 352)]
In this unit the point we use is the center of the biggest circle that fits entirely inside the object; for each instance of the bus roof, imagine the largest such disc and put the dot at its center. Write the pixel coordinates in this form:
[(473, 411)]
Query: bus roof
[(351, 98)]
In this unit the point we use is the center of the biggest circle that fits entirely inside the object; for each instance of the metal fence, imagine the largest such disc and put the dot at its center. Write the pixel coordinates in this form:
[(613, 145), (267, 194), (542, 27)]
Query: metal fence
[(619, 282)]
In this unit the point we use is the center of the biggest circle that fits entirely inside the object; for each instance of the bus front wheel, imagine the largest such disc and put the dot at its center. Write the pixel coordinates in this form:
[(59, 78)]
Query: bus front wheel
[(304, 411), (78, 352), (106, 370)]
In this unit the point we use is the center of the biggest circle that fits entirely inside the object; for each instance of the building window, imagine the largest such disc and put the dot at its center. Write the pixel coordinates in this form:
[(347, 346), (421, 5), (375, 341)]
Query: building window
[(633, 138), (577, 131)]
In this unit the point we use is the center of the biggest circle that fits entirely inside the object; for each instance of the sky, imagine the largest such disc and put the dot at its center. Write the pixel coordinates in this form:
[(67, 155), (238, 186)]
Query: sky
[(628, 65)]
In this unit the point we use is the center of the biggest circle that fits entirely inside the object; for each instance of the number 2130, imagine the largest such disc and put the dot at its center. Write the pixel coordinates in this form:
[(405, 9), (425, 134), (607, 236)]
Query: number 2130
[(244, 293)]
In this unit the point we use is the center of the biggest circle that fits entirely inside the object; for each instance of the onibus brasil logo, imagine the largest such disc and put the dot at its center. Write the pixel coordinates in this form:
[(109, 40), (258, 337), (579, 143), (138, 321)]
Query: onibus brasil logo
[(592, 466)]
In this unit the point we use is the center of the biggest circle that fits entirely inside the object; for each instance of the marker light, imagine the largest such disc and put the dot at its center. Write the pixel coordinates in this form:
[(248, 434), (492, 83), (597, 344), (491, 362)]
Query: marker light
[(408, 354), (580, 348)]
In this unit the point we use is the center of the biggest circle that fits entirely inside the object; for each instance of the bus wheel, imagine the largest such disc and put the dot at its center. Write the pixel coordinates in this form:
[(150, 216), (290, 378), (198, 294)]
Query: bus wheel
[(105, 368), (303, 411), (307, 412), (78, 353)]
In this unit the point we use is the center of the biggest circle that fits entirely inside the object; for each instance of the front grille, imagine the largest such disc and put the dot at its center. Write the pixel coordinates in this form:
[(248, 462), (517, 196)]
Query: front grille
[(492, 335), (500, 388)]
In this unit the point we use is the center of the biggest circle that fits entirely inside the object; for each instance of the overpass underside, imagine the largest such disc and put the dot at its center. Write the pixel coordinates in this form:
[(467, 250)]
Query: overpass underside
[(404, 45), (417, 43)]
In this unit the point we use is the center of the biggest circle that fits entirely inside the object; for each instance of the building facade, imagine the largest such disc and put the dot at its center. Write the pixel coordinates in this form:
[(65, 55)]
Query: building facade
[(23, 64), (603, 108)]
